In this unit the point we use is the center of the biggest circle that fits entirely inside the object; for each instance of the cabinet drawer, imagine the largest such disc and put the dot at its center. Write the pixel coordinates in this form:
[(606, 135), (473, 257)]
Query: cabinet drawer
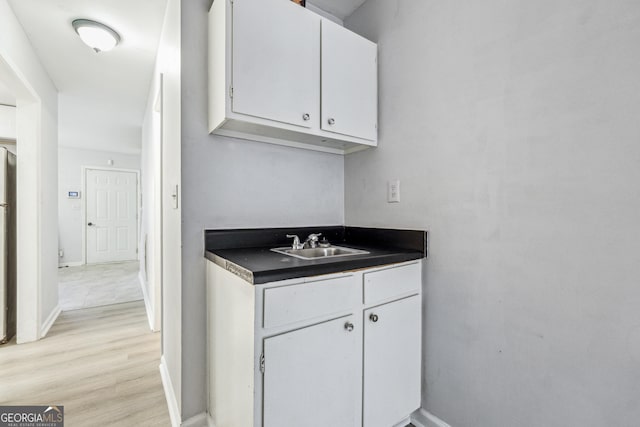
[(394, 281), (295, 303)]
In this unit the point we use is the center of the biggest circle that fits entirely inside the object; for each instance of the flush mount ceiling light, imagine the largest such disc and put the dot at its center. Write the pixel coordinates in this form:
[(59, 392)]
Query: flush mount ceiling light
[(97, 36)]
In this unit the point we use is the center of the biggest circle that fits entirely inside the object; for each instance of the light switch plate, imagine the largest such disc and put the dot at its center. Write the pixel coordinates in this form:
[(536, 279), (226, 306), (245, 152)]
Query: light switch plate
[(393, 191)]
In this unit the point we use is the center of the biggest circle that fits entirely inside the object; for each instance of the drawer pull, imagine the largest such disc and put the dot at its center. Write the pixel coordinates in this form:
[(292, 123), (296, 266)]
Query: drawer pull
[(348, 326), (373, 317)]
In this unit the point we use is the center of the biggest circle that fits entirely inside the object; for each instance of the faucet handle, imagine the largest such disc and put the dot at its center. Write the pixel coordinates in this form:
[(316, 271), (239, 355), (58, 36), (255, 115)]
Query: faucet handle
[(313, 239)]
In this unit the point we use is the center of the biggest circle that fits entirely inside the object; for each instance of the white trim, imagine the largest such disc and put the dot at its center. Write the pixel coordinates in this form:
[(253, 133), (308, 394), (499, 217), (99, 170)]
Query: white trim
[(199, 420), (84, 206), (147, 302), (210, 422), (44, 329), (422, 418), (170, 395), (71, 264)]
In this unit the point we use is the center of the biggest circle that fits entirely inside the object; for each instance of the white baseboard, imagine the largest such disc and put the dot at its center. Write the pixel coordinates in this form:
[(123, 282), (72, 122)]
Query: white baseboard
[(44, 329), (210, 422), (422, 418), (403, 423), (200, 420), (147, 302), (71, 264), (172, 402)]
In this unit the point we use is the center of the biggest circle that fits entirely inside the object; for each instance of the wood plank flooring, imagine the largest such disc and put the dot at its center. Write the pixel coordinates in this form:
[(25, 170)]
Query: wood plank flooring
[(100, 363)]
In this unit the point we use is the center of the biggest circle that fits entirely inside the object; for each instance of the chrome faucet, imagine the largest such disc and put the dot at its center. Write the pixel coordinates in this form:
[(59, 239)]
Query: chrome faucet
[(296, 242), (311, 242)]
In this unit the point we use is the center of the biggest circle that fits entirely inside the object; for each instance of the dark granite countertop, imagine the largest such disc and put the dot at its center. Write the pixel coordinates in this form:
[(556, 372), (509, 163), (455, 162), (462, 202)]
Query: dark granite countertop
[(247, 253)]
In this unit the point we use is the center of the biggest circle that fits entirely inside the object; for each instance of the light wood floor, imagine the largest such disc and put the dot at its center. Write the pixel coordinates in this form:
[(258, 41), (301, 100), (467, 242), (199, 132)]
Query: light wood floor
[(100, 363)]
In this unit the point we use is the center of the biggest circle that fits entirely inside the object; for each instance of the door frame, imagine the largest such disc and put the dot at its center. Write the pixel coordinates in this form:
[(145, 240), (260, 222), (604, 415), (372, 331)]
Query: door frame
[(84, 205), (32, 261)]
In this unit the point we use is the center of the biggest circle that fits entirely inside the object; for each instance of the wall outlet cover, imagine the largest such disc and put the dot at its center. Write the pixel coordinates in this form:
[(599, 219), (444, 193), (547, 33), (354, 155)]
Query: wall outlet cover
[(393, 191)]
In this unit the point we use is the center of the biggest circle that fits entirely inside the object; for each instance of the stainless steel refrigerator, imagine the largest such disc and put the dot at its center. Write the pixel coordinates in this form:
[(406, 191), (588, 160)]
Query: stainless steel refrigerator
[(7, 245)]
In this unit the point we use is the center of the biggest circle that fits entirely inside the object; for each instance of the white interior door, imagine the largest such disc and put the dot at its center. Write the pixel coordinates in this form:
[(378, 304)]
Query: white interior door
[(111, 228)]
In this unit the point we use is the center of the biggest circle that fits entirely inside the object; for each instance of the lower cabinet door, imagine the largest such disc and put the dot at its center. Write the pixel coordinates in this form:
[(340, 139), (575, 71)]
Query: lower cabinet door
[(312, 376), (392, 366)]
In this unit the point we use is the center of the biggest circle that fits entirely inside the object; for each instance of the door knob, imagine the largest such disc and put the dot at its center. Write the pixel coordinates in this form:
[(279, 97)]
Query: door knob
[(348, 326), (373, 317), (306, 117)]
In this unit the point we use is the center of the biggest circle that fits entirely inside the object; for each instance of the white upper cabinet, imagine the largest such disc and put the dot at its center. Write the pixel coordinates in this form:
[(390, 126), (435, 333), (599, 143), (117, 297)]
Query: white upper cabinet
[(280, 73), (276, 62), (349, 83)]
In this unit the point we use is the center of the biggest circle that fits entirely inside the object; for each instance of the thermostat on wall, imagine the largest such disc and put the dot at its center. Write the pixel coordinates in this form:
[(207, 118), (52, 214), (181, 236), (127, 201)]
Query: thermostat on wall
[(73, 195)]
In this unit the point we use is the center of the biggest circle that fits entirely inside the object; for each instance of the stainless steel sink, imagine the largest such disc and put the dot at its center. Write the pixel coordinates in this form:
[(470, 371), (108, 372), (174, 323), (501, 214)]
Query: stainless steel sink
[(315, 253)]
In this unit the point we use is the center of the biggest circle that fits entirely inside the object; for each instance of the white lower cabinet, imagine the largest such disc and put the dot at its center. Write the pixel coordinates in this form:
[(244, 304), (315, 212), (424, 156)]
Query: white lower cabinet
[(311, 352), (310, 369), (391, 386)]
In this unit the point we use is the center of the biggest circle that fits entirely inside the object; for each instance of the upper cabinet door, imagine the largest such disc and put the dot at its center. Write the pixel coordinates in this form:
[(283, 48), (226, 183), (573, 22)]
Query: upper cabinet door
[(349, 83), (276, 61)]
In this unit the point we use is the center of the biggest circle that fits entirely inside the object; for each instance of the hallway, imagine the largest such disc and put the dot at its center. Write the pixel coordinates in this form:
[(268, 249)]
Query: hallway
[(100, 363), (95, 285)]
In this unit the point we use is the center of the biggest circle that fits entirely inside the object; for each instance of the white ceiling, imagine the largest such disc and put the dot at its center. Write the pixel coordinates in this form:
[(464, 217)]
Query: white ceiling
[(102, 96), (6, 96), (338, 8)]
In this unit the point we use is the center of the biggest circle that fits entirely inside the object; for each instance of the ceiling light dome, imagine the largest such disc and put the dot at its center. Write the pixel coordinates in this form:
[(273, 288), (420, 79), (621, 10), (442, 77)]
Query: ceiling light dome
[(97, 36)]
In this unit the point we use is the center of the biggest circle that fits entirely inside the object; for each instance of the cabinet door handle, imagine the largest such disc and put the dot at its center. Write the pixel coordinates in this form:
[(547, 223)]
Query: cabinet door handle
[(373, 317), (331, 121), (348, 326), (306, 117)]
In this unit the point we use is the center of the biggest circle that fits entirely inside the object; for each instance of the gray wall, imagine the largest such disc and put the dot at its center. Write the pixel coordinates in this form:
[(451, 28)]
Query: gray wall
[(513, 127), (70, 220), (234, 183)]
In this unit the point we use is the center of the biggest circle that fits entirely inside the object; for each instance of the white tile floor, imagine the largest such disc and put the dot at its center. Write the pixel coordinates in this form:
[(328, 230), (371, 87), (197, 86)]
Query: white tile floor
[(97, 285)]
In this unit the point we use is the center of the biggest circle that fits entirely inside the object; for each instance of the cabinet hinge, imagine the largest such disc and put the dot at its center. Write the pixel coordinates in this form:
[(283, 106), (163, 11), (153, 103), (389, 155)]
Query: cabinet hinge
[(231, 92), (262, 362)]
